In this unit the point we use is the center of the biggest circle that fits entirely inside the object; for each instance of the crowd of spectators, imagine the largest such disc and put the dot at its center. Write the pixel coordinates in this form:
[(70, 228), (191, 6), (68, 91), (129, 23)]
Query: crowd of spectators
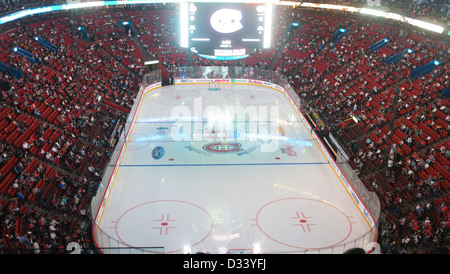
[(399, 148), (56, 132), (431, 10), (158, 36), (436, 10)]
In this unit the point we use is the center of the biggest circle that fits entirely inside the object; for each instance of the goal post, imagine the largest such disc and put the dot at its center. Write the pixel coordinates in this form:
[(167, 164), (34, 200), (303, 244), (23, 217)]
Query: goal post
[(214, 85)]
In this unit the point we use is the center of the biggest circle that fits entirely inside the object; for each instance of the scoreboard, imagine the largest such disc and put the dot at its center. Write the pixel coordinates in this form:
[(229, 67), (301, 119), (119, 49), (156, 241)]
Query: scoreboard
[(225, 29)]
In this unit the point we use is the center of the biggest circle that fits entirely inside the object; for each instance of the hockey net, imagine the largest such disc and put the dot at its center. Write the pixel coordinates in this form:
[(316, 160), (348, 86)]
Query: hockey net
[(214, 85)]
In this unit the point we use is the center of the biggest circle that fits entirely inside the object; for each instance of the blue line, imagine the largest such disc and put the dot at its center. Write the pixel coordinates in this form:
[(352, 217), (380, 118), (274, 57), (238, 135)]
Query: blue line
[(255, 164)]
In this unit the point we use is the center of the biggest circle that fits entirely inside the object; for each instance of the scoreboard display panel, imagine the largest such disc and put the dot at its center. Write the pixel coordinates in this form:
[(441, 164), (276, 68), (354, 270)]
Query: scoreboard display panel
[(225, 29)]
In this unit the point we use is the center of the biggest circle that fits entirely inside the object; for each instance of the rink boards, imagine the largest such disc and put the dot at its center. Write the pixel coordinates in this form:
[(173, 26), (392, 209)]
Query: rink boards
[(190, 180)]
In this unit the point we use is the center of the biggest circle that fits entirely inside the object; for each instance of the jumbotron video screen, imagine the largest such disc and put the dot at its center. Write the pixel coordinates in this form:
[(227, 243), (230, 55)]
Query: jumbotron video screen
[(225, 29)]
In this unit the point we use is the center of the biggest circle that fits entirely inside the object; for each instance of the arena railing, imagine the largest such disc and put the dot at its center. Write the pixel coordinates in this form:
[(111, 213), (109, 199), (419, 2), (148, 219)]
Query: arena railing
[(366, 200)]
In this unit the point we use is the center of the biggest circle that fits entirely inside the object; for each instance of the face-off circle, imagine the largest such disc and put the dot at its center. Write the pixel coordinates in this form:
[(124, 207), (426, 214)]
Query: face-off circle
[(177, 97), (304, 223), (250, 97), (165, 223), (138, 142)]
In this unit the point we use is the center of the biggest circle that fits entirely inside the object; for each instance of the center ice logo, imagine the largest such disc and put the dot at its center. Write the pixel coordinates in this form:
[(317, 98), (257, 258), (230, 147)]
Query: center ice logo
[(230, 125), (223, 147)]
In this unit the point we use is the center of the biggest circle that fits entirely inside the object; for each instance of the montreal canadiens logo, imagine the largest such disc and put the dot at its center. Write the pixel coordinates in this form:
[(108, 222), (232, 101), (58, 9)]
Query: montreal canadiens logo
[(226, 20), (223, 147)]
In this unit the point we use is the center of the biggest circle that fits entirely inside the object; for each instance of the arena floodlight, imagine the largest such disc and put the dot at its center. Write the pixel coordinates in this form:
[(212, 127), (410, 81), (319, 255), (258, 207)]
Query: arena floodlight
[(372, 12), (268, 27), (83, 5), (184, 25), (201, 39), (153, 62), (425, 25)]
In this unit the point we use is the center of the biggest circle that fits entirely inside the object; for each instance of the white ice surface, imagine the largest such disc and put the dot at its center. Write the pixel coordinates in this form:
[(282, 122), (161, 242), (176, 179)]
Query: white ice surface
[(223, 188)]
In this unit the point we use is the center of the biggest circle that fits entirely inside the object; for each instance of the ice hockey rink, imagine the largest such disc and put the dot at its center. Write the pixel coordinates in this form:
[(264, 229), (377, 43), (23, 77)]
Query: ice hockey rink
[(233, 170)]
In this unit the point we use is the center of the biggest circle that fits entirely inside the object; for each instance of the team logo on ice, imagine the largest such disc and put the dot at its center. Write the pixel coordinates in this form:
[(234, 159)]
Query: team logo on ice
[(158, 153), (223, 147)]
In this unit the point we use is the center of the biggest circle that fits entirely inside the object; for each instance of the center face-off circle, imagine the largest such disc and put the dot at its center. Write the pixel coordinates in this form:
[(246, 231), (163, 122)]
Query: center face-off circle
[(221, 143), (303, 223), (166, 223)]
